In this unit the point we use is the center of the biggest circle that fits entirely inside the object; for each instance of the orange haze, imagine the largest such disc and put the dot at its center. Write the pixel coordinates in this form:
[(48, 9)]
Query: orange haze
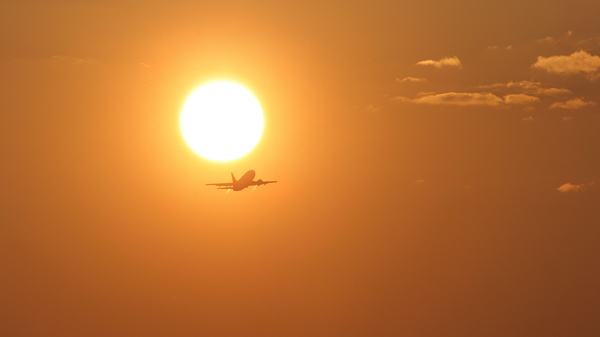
[(437, 166)]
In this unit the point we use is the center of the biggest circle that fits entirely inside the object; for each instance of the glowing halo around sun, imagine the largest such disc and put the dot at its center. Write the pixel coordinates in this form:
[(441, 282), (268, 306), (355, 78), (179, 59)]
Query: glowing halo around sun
[(221, 121)]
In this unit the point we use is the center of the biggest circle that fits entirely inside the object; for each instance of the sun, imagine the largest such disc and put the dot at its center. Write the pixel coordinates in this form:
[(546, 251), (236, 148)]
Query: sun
[(221, 121)]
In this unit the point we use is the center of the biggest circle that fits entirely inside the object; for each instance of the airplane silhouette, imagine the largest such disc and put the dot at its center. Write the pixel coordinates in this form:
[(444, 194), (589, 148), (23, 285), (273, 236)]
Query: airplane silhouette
[(243, 182)]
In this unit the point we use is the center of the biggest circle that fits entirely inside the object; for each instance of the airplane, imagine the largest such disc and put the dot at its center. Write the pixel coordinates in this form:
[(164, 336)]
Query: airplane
[(243, 182)]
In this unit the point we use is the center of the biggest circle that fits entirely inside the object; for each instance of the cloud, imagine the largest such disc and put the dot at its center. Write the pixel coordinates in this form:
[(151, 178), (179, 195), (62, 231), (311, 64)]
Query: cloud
[(447, 61), (70, 59), (568, 187), (528, 119), (471, 99), (567, 118), (576, 103), (372, 108), (528, 87), (551, 91), (520, 99), (455, 98), (550, 39), (591, 42), (509, 47), (578, 62), (547, 39), (411, 79), (533, 88)]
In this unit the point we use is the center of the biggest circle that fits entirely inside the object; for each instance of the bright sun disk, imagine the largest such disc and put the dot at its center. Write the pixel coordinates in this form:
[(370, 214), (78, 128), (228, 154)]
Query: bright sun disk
[(222, 121)]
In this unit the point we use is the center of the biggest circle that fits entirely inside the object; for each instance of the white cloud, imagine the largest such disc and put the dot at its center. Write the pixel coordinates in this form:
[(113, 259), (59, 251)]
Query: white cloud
[(411, 79), (520, 99), (578, 62), (568, 187), (447, 61), (576, 103), (455, 98)]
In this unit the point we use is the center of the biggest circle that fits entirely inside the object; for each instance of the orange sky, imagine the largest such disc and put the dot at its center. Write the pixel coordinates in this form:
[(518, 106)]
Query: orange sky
[(437, 166)]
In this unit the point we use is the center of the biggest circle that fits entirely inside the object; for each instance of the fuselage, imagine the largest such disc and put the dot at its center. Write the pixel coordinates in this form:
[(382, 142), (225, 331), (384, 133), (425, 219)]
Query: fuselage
[(244, 181)]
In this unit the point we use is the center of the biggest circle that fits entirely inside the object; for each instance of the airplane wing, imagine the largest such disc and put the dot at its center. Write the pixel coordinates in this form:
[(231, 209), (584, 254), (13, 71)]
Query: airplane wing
[(229, 185), (260, 182)]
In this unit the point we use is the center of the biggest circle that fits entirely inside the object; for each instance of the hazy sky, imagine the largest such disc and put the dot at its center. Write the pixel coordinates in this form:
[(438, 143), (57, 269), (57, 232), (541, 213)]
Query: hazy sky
[(437, 166)]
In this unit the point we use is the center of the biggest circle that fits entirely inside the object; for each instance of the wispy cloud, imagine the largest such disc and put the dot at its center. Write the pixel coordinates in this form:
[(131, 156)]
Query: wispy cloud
[(520, 99), (578, 62), (469, 99), (550, 39), (70, 59), (576, 103), (372, 108), (547, 39), (568, 187), (455, 98), (411, 79), (444, 62), (527, 87), (528, 119), (509, 47)]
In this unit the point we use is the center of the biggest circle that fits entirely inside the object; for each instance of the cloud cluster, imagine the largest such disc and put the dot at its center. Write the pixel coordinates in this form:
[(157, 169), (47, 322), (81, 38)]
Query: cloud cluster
[(576, 103), (527, 95), (578, 62), (445, 62)]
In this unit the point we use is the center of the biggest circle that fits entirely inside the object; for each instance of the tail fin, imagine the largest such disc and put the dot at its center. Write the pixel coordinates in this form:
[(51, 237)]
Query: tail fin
[(233, 178)]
